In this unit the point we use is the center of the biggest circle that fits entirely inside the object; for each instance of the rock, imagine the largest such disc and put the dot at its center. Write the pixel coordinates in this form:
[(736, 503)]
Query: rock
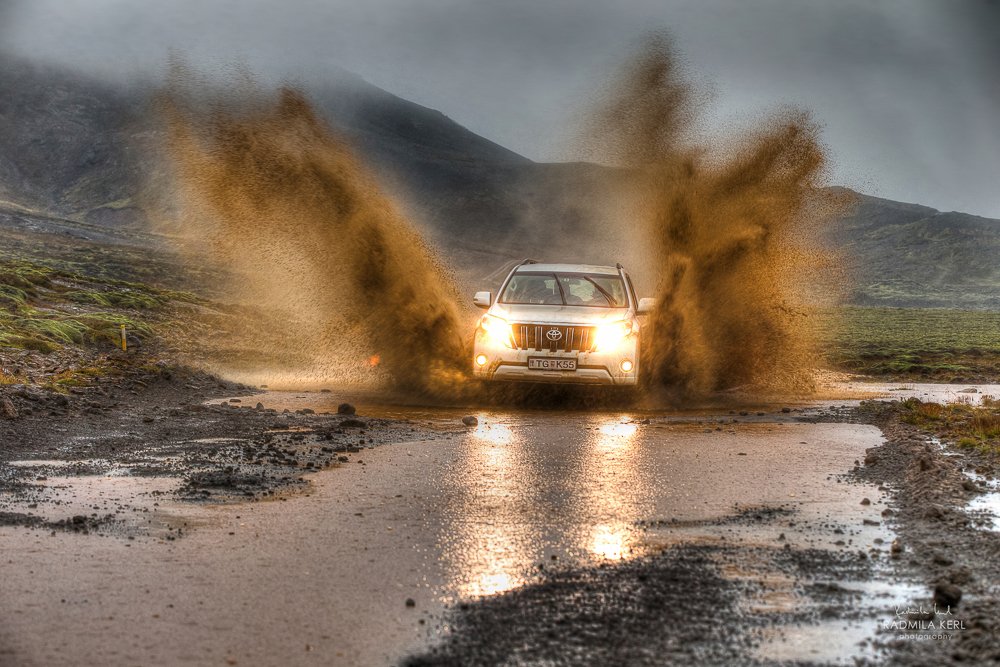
[(7, 409), (352, 423), (934, 513), (305, 411), (259, 406), (470, 420), (786, 410), (865, 501), (346, 409), (969, 390), (947, 595), (871, 458), (410, 602)]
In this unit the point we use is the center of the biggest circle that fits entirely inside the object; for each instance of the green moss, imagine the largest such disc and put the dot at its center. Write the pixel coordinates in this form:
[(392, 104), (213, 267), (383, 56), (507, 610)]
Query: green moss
[(125, 299), (55, 330), (106, 327), (28, 343), (44, 308), (77, 377), (23, 275), (12, 297)]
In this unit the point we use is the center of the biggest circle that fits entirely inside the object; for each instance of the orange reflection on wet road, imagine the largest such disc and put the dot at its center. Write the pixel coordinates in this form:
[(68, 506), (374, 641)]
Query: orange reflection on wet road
[(486, 551), (518, 495), (610, 483)]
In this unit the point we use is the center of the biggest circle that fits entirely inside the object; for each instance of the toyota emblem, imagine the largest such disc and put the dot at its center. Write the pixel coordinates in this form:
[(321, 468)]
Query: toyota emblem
[(553, 334)]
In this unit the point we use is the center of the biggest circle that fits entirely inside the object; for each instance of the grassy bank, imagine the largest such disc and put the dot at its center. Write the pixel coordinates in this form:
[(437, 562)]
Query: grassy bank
[(55, 310), (58, 327), (934, 345), (976, 427), (45, 309), (61, 328)]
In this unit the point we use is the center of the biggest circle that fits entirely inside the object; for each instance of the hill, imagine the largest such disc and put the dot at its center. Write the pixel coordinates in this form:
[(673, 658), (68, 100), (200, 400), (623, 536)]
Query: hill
[(906, 255), (76, 160)]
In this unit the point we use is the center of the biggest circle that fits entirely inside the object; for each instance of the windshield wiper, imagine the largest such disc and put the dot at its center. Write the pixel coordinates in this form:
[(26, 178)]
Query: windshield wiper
[(562, 292), (604, 293)]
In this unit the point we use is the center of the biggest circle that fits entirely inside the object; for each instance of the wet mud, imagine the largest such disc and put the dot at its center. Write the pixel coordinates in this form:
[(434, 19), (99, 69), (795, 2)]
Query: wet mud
[(275, 199), (751, 583), (729, 227), (80, 462), (944, 543)]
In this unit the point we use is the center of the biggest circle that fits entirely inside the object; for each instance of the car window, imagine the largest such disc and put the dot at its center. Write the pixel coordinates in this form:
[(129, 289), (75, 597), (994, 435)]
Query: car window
[(533, 288), (572, 289)]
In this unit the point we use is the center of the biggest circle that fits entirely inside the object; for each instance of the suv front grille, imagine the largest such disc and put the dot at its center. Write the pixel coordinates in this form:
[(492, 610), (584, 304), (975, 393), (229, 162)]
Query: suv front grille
[(538, 337)]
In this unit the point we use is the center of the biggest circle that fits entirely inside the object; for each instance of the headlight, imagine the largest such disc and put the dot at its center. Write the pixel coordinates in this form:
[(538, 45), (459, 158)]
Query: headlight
[(610, 336), (497, 329)]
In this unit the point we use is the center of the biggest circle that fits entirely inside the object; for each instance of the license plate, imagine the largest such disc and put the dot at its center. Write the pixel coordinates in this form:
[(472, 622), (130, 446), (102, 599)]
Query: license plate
[(551, 364)]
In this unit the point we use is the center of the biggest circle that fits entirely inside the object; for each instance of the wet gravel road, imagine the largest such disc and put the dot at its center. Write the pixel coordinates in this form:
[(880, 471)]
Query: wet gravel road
[(561, 537)]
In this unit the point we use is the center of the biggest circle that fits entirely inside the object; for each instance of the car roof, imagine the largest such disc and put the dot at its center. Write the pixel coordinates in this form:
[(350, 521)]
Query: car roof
[(568, 268)]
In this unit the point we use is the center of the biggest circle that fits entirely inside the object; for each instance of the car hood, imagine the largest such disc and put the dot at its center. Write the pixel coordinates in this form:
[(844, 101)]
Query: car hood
[(558, 314)]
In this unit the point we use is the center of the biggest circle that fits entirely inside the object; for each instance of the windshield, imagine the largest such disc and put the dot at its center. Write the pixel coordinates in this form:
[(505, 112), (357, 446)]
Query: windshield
[(596, 290)]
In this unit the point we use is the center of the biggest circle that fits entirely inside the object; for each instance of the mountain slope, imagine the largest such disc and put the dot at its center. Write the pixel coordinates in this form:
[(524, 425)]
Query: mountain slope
[(908, 255), (77, 156)]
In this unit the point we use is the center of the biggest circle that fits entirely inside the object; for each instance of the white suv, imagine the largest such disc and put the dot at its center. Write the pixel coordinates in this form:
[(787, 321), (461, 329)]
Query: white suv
[(563, 323)]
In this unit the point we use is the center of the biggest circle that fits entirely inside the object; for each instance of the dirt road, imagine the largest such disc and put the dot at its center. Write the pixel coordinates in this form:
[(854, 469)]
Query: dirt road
[(575, 536)]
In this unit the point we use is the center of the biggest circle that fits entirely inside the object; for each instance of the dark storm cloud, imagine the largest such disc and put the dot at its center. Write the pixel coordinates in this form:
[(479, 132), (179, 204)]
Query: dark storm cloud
[(907, 89)]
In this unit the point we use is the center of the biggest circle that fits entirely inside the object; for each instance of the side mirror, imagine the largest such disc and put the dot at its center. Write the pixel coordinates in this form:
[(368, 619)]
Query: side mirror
[(483, 299), (646, 306)]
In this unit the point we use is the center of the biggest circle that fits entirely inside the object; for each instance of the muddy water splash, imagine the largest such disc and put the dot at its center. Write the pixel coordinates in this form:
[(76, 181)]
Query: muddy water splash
[(729, 228), (274, 197)]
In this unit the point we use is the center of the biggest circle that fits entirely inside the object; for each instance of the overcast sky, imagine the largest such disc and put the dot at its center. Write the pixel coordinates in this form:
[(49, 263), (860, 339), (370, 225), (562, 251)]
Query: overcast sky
[(908, 91)]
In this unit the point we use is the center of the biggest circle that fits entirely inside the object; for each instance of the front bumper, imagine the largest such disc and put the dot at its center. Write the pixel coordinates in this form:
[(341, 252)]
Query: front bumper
[(504, 364)]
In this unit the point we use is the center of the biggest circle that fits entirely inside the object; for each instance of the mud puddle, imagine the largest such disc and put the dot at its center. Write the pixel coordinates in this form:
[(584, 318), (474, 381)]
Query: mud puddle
[(971, 394), (986, 506), (478, 518), (101, 497), (365, 402)]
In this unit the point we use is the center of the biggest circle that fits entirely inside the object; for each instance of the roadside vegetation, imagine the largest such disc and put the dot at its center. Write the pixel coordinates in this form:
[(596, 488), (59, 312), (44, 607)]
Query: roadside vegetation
[(60, 327), (967, 425), (931, 345), (60, 309), (73, 321)]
